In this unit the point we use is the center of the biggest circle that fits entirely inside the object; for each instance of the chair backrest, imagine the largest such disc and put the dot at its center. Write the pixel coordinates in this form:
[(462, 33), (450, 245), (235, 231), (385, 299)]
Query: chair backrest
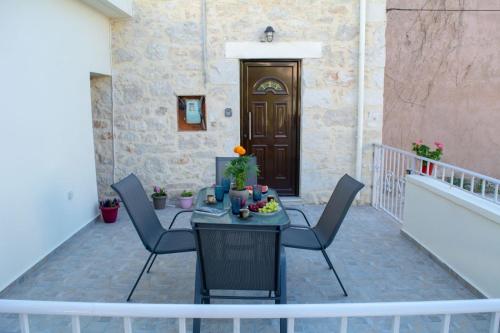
[(220, 166), (140, 210), (336, 209), (236, 257)]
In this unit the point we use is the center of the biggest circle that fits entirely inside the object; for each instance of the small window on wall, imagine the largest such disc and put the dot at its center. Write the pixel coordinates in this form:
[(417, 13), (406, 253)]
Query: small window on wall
[(191, 114)]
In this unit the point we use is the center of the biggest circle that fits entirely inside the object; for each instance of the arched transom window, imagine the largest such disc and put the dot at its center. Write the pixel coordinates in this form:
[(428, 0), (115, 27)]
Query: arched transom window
[(270, 84)]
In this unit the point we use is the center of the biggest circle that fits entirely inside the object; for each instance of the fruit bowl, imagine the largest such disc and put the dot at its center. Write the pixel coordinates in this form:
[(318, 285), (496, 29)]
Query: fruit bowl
[(264, 208), (267, 214)]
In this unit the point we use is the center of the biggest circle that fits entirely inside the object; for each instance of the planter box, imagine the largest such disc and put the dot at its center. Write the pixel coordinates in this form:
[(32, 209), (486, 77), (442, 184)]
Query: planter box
[(460, 229)]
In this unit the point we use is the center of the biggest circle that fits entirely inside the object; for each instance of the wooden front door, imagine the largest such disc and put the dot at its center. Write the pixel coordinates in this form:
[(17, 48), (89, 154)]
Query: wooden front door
[(270, 121)]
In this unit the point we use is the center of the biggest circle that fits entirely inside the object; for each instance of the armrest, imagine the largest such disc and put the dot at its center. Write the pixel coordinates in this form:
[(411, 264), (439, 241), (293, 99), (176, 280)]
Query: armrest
[(297, 226), (301, 212), (179, 213)]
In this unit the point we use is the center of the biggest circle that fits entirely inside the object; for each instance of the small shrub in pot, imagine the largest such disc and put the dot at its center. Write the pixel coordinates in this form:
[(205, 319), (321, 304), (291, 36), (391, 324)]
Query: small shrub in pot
[(186, 199), (159, 197)]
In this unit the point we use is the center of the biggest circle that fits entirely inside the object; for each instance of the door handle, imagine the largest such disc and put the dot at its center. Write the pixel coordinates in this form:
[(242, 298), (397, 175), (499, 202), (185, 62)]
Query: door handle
[(249, 125)]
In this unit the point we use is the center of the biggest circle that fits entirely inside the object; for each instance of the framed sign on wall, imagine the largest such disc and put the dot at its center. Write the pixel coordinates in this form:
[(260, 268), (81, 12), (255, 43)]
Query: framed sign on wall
[(191, 113)]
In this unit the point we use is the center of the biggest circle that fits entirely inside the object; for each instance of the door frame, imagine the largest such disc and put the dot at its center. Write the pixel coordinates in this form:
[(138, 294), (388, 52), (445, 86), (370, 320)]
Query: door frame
[(297, 103)]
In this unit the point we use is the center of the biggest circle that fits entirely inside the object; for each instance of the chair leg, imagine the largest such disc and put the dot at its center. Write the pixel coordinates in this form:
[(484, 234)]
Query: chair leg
[(197, 297), (333, 269), (282, 292), (152, 262), (140, 275)]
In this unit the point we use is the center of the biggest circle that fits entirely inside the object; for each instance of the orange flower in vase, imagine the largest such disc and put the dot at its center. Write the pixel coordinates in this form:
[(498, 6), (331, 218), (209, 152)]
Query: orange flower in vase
[(239, 168), (239, 150)]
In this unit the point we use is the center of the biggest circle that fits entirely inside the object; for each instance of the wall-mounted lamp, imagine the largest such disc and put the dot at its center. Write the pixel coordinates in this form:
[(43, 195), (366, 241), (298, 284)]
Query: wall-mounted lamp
[(269, 33)]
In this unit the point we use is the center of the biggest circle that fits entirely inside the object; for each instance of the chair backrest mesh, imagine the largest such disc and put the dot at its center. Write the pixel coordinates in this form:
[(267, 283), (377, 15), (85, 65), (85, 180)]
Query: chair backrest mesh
[(233, 257), (220, 166), (140, 210), (336, 208)]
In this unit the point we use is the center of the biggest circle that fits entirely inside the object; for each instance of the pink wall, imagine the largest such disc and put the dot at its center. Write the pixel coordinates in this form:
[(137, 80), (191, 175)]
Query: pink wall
[(442, 81)]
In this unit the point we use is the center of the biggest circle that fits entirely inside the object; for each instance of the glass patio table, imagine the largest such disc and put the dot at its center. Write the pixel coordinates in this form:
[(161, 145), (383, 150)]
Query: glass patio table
[(239, 254), (279, 219)]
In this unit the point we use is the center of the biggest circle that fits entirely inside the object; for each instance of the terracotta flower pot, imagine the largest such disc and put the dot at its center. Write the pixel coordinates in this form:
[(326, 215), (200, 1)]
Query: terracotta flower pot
[(159, 202), (109, 214), (186, 202)]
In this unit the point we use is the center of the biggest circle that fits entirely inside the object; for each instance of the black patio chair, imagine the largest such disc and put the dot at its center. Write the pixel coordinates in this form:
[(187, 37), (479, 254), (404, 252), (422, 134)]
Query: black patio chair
[(155, 238), (320, 236), (236, 257), (220, 166)]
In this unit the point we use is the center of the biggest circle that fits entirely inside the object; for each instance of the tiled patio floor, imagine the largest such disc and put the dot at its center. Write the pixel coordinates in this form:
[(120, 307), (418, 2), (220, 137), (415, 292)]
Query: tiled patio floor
[(375, 262)]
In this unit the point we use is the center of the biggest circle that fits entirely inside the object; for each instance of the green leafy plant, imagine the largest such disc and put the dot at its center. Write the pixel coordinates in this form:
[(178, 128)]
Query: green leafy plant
[(158, 192), (239, 168), (186, 194), (425, 151)]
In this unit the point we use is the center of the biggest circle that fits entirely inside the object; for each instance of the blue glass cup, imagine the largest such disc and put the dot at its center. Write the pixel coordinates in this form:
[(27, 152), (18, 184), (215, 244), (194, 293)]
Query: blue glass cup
[(219, 193), (257, 193), (235, 205), (226, 184)]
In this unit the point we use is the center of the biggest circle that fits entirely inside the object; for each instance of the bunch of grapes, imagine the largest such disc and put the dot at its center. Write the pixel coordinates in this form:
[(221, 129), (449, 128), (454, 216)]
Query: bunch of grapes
[(270, 207)]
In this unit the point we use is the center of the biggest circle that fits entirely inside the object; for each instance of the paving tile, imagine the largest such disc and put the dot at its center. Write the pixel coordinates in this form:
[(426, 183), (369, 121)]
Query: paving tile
[(376, 264)]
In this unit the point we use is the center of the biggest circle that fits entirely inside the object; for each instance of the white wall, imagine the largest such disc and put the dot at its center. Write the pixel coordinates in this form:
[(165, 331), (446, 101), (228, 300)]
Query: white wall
[(460, 229), (47, 50)]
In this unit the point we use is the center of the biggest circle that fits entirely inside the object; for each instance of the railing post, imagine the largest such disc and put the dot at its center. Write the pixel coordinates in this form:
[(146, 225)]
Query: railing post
[(495, 320), (182, 325), (343, 325), (382, 178), (75, 324), (127, 325), (236, 325), (24, 323), (396, 323), (446, 324), (376, 165), (290, 326)]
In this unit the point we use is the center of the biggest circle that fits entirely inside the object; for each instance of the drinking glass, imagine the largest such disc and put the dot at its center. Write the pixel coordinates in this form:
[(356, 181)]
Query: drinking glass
[(219, 193), (235, 205), (226, 184), (257, 193)]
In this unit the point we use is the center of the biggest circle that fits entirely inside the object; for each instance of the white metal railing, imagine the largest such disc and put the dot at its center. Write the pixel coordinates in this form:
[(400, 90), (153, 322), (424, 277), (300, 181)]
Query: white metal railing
[(391, 165), (182, 312)]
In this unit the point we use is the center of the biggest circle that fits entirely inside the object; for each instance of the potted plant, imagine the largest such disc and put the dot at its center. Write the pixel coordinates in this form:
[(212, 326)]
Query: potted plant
[(186, 199), (159, 197), (238, 170), (109, 209), (425, 151)]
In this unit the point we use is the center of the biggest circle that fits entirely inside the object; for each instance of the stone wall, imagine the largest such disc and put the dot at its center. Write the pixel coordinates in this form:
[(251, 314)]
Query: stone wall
[(102, 119), (443, 80), (158, 55)]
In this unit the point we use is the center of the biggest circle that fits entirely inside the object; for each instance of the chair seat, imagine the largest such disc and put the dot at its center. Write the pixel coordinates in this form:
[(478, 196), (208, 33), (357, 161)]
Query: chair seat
[(300, 238), (177, 240)]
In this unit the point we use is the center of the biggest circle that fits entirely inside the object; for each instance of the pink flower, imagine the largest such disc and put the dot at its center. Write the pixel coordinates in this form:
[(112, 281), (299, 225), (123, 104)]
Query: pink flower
[(439, 145), (156, 189), (420, 141)]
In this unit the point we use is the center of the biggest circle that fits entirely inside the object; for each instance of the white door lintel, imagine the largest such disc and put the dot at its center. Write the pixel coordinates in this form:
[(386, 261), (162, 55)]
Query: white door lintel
[(275, 50)]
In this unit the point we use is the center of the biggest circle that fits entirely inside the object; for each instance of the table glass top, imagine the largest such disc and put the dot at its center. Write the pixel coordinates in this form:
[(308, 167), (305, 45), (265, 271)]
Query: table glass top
[(279, 218)]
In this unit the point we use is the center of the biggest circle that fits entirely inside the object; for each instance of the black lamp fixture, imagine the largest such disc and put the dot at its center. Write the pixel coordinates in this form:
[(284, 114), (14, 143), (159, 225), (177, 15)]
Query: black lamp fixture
[(269, 34)]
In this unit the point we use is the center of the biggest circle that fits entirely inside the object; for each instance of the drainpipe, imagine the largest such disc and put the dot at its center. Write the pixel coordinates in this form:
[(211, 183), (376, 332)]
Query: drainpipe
[(361, 89)]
